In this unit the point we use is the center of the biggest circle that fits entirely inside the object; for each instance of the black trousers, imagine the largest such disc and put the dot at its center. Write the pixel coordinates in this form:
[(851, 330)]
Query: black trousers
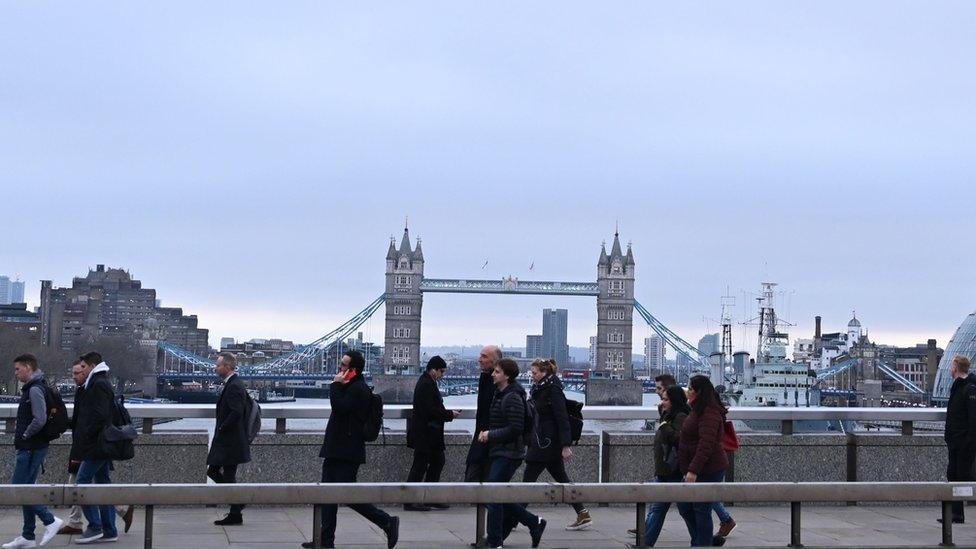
[(225, 474), (427, 466), (556, 468), (960, 468), (335, 470)]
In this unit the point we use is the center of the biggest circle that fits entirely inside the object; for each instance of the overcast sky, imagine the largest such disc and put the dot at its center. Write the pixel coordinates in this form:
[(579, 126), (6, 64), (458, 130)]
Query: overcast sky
[(250, 161)]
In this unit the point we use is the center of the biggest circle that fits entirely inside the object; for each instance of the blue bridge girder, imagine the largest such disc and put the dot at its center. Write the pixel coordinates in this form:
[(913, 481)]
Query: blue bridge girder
[(508, 286)]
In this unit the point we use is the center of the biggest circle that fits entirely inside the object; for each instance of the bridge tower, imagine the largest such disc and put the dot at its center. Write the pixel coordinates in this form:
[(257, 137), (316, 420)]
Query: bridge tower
[(615, 312), (404, 300)]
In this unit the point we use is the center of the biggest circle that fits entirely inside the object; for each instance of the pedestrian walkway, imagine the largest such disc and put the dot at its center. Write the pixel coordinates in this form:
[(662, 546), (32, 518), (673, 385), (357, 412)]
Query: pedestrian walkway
[(281, 527)]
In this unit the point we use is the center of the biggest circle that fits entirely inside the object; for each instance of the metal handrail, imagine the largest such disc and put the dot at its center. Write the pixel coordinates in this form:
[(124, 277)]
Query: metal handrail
[(395, 411), (795, 493)]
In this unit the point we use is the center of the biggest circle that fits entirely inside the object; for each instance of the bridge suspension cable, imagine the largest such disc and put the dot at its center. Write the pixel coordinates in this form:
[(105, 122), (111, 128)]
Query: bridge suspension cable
[(294, 359), (697, 359)]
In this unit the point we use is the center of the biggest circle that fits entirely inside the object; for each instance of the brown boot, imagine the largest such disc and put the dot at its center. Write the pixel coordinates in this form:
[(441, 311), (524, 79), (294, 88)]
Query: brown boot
[(725, 528)]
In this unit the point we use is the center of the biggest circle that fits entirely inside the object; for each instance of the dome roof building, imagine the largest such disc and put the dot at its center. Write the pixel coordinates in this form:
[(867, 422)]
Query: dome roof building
[(962, 343)]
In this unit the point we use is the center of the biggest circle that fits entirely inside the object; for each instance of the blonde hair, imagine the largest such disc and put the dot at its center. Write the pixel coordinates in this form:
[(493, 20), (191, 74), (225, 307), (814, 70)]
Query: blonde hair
[(962, 363), (545, 365)]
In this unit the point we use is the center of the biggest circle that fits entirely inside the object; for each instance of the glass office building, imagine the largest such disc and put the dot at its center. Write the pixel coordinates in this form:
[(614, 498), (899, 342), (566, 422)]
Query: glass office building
[(962, 343)]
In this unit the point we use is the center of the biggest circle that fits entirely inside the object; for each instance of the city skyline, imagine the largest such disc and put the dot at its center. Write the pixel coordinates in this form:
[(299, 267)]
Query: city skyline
[(253, 167)]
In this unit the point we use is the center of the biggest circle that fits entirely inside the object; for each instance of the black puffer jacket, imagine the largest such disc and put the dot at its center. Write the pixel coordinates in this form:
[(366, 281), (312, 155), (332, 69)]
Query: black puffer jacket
[(506, 421), (552, 431)]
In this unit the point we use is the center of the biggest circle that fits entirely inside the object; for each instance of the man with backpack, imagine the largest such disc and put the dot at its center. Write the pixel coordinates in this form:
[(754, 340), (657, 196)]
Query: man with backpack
[(960, 429), (74, 524), (231, 445), (94, 411), (31, 441), (344, 448)]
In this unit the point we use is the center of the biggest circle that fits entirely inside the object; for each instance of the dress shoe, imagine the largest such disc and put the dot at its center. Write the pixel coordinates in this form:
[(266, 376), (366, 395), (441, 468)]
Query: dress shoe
[(230, 520), (127, 518), (415, 507), (955, 520), (439, 506)]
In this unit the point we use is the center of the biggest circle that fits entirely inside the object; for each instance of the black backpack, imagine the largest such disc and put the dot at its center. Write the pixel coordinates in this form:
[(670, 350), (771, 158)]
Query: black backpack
[(57, 415), (252, 425), (373, 423), (574, 409)]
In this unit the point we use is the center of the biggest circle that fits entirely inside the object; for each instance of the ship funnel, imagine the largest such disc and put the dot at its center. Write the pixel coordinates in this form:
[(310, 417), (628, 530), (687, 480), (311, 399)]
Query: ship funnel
[(717, 362), (739, 361), (750, 371)]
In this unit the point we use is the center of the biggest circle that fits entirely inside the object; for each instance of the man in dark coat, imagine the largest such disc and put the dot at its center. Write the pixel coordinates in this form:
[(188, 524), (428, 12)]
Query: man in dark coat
[(960, 429), (93, 412), (478, 461), (344, 447), (230, 446), (425, 433)]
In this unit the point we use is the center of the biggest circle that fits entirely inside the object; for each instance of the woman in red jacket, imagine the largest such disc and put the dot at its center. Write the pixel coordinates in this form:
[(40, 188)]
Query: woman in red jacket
[(700, 454)]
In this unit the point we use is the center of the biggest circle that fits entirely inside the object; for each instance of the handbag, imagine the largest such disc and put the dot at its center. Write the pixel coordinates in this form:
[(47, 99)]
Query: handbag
[(671, 458), (730, 440), (115, 441)]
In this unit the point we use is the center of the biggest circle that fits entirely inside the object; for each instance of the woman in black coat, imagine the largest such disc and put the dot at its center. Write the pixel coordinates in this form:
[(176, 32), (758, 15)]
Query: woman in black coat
[(549, 445)]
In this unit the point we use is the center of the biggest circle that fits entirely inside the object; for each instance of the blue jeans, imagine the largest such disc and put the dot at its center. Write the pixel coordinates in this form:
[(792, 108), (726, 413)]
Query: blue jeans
[(26, 468), (655, 517), (720, 512), (100, 517), (502, 470), (698, 516)]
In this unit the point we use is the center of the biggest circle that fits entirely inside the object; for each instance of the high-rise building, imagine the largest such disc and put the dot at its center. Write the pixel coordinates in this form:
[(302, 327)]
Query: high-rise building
[(654, 354), (592, 352), (710, 343), (111, 301), (4, 290), (17, 292), (533, 347), (554, 333)]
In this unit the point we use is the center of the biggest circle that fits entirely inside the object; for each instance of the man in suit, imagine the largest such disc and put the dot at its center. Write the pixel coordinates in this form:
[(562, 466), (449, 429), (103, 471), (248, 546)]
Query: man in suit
[(230, 446), (425, 433), (344, 448), (478, 461)]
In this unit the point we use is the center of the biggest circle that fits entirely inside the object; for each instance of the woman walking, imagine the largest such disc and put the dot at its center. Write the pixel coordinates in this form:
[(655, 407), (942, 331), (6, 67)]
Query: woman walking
[(700, 454), (674, 411), (549, 445)]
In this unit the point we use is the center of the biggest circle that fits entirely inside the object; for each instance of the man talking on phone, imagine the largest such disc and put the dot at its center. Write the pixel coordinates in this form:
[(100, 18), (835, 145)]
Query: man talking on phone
[(344, 448)]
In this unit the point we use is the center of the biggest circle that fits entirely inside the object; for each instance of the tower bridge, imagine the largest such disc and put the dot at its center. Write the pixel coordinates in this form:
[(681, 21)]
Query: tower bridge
[(611, 380)]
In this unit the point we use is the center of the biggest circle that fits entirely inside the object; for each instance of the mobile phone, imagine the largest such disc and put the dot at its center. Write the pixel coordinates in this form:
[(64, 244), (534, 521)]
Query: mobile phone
[(350, 373)]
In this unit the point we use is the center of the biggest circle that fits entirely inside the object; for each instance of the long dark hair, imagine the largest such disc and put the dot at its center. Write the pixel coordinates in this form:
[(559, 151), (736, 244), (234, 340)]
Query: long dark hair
[(706, 395), (679, 401)]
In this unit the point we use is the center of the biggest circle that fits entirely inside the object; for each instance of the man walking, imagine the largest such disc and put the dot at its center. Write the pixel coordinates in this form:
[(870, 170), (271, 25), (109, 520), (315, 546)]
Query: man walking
[(960, 429), (344, 447), (425, 433), (74, 524), (478, 460), (505, 437), (32, 447), (230, 446), (94, 409)]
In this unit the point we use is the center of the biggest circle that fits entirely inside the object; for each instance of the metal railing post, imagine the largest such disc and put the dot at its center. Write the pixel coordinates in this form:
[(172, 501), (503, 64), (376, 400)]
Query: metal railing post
[(795, 524), (148, 534), (946, 524), (147, 425), (10, 426), (481, 516), (908, 427), (317, 525), (786, 427), (641, 525), (280, 425)]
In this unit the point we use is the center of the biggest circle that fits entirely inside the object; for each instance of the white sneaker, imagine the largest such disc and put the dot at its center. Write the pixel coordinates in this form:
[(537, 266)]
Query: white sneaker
[(50, 531), (19, 542)]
